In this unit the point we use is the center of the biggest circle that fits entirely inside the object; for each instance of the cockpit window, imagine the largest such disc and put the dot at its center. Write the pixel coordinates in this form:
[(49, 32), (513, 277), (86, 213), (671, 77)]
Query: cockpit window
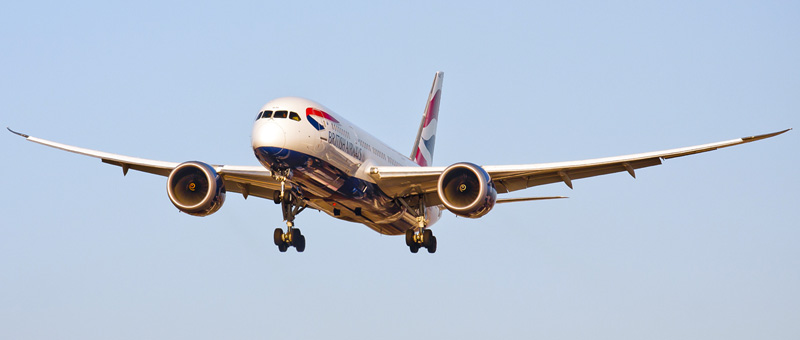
[(264, 114), (280, 114), (294, 116)]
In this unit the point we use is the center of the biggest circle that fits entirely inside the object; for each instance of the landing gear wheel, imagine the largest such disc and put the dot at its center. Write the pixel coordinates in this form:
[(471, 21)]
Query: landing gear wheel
[(424, 239), (282, 247), (410, 237), (300, 244), (277, 236), (296, 234), (432, 245), (298, 240), (276, 197), (427, 238)]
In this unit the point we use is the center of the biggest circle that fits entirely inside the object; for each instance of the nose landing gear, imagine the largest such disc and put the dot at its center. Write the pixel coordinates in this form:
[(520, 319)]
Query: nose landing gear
[(290, 206)]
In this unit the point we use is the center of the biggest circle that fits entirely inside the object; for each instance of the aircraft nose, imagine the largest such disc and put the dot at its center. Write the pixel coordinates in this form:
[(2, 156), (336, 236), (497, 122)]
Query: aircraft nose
[(268, 134)]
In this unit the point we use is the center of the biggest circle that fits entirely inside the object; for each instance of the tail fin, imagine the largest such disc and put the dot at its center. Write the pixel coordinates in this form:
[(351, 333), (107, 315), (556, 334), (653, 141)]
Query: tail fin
[(423, 146)]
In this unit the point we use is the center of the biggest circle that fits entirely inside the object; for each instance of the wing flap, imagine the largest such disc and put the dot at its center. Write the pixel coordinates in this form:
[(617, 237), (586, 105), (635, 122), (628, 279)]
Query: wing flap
[(405, 181), (248, 189), (249, 181)]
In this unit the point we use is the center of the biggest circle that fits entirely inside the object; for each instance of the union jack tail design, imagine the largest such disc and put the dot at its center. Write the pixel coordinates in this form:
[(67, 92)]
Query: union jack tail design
[(426, 137)]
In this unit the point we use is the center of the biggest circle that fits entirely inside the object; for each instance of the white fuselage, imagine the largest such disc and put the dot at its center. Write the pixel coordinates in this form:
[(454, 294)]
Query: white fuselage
[(327, 160)]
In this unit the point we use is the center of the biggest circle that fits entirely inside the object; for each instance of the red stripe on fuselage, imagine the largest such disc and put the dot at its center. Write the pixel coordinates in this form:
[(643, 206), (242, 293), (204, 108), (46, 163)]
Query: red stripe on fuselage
[(319, 113)]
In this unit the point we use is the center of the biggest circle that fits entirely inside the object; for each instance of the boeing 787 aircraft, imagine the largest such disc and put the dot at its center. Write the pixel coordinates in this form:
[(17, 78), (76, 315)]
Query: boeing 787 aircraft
[(313, 158)]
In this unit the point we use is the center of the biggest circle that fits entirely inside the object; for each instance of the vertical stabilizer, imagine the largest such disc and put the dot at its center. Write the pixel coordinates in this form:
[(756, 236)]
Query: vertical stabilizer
[(426, 137)]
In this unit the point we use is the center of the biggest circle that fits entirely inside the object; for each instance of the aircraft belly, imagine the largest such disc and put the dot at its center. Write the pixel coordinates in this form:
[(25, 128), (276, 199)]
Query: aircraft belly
[(345, 197)]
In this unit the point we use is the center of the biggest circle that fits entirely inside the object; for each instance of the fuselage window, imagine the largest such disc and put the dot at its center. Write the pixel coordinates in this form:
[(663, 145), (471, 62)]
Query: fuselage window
[(266, 114), (280, 114), (294, 116)]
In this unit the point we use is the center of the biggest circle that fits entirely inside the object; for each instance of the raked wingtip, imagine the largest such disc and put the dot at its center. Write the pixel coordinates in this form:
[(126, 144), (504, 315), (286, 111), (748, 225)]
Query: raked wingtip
[(17, 133), (764, 136)]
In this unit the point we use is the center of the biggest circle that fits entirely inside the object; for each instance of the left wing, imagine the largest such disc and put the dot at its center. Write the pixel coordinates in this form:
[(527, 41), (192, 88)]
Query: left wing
[(246, 180), (404, 181)]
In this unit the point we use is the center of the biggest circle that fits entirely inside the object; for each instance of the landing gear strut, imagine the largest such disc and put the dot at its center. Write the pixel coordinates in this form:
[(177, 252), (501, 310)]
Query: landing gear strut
[(424, 237), (290, 206)]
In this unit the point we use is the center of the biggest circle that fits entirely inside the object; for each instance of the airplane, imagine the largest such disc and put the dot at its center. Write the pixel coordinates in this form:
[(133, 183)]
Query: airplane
[(312, 157)]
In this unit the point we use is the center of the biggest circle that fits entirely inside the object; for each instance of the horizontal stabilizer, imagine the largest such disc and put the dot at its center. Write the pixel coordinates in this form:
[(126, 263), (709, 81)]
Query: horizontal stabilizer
[(524, 199)]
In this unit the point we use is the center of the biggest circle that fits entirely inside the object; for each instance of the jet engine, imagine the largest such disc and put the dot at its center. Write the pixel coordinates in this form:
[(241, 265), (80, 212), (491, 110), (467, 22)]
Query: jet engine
[(467, 190), (196, 189)]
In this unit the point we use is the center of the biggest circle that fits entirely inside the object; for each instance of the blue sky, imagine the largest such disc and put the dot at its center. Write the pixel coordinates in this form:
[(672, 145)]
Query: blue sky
[(698, 248)]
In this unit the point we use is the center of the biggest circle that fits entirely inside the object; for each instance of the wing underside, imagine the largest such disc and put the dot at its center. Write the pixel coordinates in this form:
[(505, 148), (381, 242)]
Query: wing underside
[(246, 180), (404, 181)]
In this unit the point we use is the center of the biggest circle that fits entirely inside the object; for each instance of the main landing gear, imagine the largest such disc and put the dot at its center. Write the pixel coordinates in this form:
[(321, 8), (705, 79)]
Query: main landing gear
[(424, 237), (290, 205)]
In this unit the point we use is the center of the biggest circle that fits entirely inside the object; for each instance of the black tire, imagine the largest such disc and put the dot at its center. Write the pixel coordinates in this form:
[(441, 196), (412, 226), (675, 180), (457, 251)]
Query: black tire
[(276, 197), (414, 248), (282, 247), (427, 236), (296, 235), (432, 246), (300, 245), (410, 237), (277, 236)]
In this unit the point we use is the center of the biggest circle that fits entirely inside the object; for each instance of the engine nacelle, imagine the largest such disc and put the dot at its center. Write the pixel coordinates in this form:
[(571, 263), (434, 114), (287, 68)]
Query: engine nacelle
[(467, 190), (196, 189)]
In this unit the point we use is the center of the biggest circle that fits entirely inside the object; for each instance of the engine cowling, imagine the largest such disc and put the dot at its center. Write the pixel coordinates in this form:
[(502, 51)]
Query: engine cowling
[(467, 190), (196, 189)]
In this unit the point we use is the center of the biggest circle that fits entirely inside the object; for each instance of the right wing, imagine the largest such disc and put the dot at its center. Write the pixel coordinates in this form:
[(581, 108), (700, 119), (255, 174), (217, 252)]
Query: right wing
[(246, 180), (509, 178), (404, 181)]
